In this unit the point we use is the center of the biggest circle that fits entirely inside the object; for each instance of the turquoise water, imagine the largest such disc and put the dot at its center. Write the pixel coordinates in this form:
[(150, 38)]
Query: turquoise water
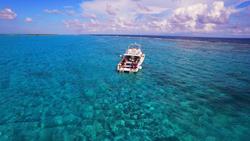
[(67, 88)]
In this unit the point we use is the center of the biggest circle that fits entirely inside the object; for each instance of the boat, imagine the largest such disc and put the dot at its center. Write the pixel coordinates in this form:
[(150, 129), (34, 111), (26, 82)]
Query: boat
[(132, 59)]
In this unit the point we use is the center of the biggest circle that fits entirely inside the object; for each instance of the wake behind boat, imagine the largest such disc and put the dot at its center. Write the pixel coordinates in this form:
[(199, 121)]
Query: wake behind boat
[(132, 59)]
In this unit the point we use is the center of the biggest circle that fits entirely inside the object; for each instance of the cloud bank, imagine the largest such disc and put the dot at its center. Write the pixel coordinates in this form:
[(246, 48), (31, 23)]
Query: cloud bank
[(159, 16)]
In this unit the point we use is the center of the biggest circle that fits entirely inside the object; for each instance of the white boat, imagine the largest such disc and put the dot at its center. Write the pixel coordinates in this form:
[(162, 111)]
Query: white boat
[(132, 59)]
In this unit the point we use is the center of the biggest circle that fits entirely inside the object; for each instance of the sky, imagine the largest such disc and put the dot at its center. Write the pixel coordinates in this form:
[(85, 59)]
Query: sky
[(212, 18)]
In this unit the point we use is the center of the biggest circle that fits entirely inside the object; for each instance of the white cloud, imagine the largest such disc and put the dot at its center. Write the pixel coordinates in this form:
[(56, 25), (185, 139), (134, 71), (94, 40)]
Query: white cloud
[(209, 27), (240, 30), (88, 15), (80, 27), (218, 14), (201, 17), (122, 15), (52, 11), (74, 24), (28, 20), (142, 9), (111, 10), (67, 10), (7, 14)]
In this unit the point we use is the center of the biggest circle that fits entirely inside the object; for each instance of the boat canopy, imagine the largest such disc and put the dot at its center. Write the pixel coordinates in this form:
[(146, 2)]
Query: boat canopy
[(134, 45), (134, 50)]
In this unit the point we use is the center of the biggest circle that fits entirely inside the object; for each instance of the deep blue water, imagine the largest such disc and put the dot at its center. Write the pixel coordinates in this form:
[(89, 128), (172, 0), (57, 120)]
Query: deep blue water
[(67, 88)]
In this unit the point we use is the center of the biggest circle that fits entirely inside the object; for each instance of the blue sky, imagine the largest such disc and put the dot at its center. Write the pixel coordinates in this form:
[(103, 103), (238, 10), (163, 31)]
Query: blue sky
[(162, 17)]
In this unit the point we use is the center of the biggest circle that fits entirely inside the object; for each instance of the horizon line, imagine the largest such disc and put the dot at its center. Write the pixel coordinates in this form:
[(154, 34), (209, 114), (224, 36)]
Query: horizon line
[(133, 35)]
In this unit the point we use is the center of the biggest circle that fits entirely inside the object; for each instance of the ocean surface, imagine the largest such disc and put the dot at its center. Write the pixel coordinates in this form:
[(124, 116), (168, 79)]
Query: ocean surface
[(67, 88)]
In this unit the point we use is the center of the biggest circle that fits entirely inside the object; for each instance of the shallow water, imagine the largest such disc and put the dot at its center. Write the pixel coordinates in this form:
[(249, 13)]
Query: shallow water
[(67, 88)]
